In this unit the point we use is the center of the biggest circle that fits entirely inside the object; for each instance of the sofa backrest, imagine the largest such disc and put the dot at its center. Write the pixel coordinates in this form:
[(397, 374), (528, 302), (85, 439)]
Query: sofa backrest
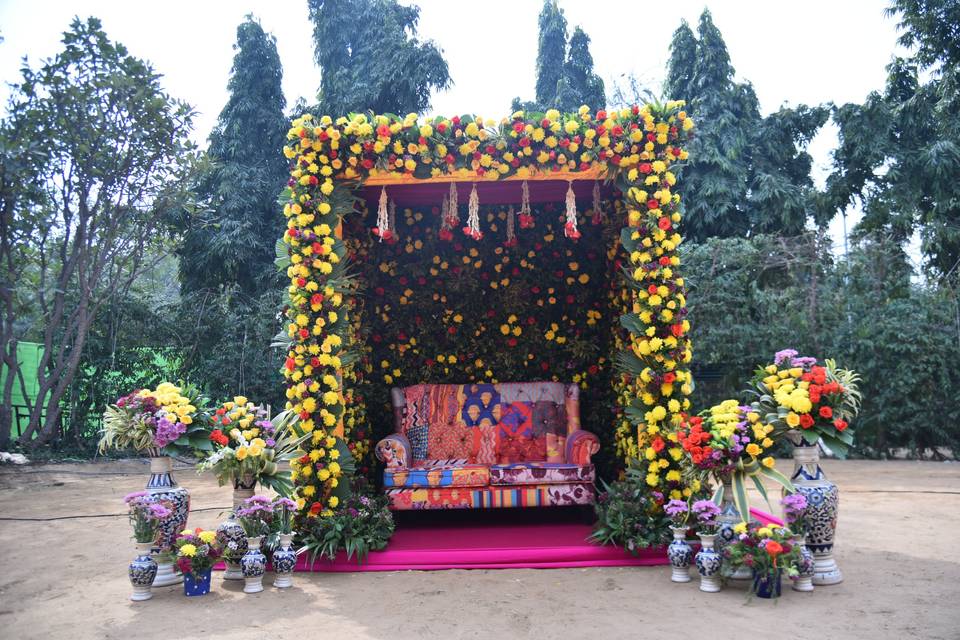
[(487, 423)]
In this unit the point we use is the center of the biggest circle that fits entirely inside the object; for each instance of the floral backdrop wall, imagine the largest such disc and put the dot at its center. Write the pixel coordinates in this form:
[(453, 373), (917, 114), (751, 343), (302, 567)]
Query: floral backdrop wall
[(460, 310)]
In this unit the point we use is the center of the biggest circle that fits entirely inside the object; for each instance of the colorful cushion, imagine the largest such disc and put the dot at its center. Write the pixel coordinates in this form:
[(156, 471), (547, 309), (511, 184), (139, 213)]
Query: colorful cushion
[(438, 473), (540, 473), (545, 495)]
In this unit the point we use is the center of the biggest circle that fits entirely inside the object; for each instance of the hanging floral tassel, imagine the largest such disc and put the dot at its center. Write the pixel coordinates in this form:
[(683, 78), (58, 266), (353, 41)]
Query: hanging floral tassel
[(393, 215), (383, 221), (526, 216), (597, 210), (473, 215), (511, 232), (453, 214), (445, 233), (570, 228)]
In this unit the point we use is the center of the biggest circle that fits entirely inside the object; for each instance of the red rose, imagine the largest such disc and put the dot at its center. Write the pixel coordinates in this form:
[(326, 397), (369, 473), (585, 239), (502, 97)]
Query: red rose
[(806, 421), (664, 223), (826, 412), (840, 424)]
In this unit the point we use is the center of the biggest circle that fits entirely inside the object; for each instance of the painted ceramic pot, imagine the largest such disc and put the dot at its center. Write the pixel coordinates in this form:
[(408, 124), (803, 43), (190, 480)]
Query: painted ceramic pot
[(820, 519), (165, 490), (253, 564), (680, 553), (805, 566), (196, 584), (142, 571), (230, 534), (284, 561), (708, 564), (730, 517), (767, 585)]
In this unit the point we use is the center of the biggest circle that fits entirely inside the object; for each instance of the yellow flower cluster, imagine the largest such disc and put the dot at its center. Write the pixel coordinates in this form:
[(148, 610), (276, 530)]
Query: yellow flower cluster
[(169, 399)]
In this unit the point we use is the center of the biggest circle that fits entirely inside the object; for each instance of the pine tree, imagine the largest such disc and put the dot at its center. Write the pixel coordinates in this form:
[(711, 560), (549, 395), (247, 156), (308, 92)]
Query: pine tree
[(579, 84), (683, 57), (747, 174), (551, 52), (370, 57), (233, 245)]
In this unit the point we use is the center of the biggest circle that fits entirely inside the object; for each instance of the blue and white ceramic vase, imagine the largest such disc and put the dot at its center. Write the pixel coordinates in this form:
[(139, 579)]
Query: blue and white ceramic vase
[(708, 564), (729, 518), (253, 564), (767, 585), (196, 584), (230, 534), (142, 571), (804, 579), (165, 490), (680, 554), (284, 561), (820, 519)]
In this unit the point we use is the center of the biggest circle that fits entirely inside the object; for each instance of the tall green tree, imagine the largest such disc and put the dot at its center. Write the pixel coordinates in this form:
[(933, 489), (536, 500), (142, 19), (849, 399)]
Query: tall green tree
[(747, 173), (899, 151), (113, 160), (579, 84), (565, 76), (371, 58), (231, 242), (228, 278)]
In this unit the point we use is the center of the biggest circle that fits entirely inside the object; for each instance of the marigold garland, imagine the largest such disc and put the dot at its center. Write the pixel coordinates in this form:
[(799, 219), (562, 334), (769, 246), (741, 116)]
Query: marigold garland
[(635, 146)]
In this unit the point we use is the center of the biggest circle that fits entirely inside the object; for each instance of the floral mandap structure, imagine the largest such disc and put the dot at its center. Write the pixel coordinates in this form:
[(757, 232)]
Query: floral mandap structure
[(635, 151)]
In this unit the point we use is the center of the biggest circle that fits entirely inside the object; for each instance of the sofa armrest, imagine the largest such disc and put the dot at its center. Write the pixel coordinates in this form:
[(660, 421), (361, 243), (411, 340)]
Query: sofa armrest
[(580, 446), (394, 451)]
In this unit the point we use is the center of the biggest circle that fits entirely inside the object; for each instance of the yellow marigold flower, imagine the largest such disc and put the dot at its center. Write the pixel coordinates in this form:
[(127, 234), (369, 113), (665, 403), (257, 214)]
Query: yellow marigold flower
[(207, 536), (188, 550)]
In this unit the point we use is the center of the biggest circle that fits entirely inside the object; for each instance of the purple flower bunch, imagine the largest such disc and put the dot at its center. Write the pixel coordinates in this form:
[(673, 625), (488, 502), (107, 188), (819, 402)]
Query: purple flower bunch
[(794, 507), (167, 432), (136, 403), (706, 513), (794, 359), (145, 515), (255, 515), (678, 512)]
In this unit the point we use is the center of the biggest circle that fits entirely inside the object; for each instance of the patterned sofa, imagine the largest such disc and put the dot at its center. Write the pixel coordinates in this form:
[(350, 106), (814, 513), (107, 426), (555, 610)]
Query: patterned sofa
[(472, 446)]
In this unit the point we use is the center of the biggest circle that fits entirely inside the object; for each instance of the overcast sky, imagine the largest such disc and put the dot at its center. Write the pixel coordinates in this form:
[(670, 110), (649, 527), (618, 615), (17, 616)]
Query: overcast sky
[(793, 52)]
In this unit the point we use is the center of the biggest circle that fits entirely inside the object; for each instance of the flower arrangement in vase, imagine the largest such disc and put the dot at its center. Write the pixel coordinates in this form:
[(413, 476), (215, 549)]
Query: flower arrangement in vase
[(767, 551), (255, 517), (730, 443), (679, 552), (197, 552), (809, 403), (247, 444), (794, 512), (706, 515), (145, 515), (284, 558), (168, 420)]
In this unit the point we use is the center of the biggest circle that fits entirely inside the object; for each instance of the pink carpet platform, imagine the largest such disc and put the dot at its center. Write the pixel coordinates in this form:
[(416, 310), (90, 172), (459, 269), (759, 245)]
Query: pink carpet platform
[(495, 545)]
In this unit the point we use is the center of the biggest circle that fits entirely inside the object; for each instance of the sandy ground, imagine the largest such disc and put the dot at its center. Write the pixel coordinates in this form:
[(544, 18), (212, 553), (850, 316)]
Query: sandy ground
[(67, 578)]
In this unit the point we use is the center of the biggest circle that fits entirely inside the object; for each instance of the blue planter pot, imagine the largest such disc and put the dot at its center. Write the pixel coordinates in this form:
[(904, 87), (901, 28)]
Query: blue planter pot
[(767, 585), (196, 585)]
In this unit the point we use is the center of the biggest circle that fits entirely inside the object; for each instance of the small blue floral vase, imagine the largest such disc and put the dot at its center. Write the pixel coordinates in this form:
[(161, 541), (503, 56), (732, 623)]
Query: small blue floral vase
[(284, 562), (142, 571), (680, 554), (708, 564), (767, 585), (254, 565), (196, 584)]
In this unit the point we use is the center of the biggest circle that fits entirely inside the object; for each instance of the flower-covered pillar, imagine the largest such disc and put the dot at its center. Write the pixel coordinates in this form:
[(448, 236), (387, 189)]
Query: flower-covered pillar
[(657, 351)]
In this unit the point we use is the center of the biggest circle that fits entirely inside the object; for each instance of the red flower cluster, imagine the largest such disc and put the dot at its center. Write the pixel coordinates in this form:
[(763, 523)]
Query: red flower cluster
[(819, 387), (218, 437), (695, 440)]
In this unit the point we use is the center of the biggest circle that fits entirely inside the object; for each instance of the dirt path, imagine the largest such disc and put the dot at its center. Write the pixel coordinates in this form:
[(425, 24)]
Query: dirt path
[(67, 578)]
